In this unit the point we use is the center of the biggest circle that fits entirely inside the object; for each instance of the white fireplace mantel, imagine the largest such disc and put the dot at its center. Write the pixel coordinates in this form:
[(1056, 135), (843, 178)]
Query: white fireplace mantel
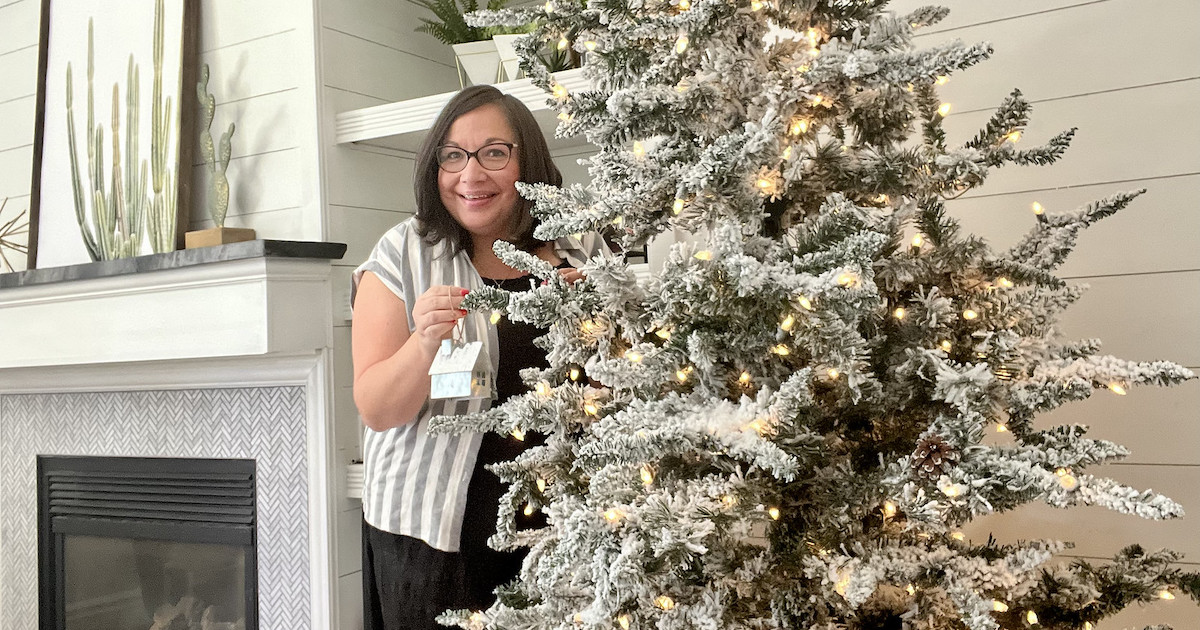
[(193, 326)]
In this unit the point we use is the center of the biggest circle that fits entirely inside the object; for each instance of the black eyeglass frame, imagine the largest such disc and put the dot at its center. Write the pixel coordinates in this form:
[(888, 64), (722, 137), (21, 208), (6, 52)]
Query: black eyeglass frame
[(474, 154)]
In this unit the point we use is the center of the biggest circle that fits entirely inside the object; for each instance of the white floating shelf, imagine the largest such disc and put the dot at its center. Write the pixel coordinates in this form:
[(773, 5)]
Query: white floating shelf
[(401, 126)]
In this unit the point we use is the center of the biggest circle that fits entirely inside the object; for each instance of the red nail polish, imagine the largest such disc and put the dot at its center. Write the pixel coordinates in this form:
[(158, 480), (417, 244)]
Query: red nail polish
[(463, 311), (466, 291)]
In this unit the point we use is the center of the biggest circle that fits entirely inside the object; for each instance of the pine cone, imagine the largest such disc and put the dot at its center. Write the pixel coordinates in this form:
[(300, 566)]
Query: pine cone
[(933, 458)]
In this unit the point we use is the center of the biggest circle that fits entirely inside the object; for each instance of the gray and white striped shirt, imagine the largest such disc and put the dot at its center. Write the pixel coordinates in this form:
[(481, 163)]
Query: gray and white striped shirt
[(415, 483)]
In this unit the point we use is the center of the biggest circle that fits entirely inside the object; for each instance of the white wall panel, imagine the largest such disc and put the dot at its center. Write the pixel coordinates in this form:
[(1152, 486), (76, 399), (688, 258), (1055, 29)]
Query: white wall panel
[(19, 24), (370, 180), (969, 13), (227, 22), (386, 22), (18, 73), (16, 168), (350, 605), (256, 67), (1159, 425), (20, 109), (1157, 232), (1090, 36), (358, 65), (349, 541), (1148, 317), (360, 228), (1098, 532), (1108, 147), (258, 183), (1180, 614)]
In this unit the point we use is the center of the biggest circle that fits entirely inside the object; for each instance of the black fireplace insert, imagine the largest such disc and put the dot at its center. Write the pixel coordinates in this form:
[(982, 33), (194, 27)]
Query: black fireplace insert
[(146, 543)]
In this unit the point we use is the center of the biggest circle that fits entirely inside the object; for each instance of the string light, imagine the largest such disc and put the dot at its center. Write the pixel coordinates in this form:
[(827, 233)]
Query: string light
[(496, 315), (833, 373), (899, 313), (882, 198), (579, 619), (589, 326), (633, 356), (549, 7), (817, 100), (1005, 282), (1038, 208), (847, 279), (911, 589), (942, 79), (773, 513), (889, 509), (1013, 137), (805, 303), (756, 5), (1117, 389), (559, 91), (624, 621), (663, 333), (1032, 618), (638, 150), (970, 314), (518, 433), (647, 474), (788, 323), (590, 45), (664, 602), (677, 207), (744, 378), (541, 484), (1068, 481), (590, 408), (565, 117), (1087, 625), (798, 127), (575, 374), (944, 110), (999, 606), (946, 345), (703, 254), (528, 509), (959, 536), (729, 500), (787, 154), (617, 221), (543, 389), (681, 376), (681, 44), (918, 241), (1166, 595), (781, 350), (613, 515), (563, 43), (1001, 428)]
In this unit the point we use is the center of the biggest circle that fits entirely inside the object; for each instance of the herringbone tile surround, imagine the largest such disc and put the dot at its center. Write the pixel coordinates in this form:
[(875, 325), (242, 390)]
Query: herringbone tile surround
[(266, 424)]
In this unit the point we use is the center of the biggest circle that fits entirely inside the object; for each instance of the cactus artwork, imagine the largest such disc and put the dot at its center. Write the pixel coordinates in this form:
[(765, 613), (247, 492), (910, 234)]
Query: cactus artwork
[(216, 158), (115, 221)]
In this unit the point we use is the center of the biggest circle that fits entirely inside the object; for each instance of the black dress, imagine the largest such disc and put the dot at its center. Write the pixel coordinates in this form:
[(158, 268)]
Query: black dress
[(406, 583)]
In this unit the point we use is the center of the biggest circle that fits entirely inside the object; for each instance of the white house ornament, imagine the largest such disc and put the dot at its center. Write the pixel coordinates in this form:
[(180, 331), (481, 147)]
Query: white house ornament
[(460, 370)]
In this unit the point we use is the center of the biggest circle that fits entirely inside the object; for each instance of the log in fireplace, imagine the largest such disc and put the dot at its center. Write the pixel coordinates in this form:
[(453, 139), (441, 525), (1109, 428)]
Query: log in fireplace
[(146, 543)]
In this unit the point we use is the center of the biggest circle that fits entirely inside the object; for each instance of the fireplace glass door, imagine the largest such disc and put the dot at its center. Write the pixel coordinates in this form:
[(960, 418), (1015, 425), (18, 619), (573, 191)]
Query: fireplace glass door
[(147, 544)]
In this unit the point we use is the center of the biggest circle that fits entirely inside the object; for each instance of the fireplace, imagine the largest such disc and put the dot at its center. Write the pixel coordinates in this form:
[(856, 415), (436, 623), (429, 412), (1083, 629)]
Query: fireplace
[(154, 543)]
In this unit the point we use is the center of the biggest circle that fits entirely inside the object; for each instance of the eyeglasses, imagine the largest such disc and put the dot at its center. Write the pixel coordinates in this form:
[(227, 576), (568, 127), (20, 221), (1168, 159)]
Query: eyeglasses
[(491, 157)]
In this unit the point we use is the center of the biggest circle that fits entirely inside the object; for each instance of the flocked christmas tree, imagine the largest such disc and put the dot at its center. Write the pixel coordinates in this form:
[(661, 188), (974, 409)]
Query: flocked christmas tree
[(784, 427)]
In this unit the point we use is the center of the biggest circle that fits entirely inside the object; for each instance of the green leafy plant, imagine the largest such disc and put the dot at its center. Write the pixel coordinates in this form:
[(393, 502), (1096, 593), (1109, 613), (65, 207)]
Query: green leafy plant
[(451, 27)]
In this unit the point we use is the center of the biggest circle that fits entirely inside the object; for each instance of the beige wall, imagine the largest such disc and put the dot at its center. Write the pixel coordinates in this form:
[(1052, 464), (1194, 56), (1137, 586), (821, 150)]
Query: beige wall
[(1127, 74)]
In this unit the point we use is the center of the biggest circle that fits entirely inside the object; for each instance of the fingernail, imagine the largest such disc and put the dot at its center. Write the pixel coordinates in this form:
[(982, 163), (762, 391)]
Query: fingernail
[(465, 291), (463, 311)]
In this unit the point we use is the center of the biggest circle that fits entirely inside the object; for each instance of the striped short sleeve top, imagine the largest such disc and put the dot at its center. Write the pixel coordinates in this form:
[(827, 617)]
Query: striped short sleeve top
[(415, 483)]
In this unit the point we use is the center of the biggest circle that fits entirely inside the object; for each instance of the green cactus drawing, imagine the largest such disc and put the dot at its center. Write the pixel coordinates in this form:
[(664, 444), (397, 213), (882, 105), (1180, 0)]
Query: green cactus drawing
[(217, 160), (164, 195), (115, 227)]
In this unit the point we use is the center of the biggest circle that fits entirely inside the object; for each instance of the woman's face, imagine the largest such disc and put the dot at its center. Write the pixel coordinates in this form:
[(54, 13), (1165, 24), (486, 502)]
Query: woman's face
[(480, 200)]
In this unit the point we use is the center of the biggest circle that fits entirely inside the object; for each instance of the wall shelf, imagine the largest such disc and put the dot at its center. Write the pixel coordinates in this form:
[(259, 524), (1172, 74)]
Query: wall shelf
[(401, 126)]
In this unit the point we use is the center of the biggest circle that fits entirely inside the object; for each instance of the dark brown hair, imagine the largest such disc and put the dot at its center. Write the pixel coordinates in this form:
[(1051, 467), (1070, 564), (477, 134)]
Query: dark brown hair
[(434, 222)]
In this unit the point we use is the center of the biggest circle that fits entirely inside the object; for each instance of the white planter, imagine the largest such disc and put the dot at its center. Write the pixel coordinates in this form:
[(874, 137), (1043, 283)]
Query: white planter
[(510, 64), (479, 60)]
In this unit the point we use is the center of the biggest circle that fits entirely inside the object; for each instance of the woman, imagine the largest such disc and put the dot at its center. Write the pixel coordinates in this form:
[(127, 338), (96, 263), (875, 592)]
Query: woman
[(428, 503)]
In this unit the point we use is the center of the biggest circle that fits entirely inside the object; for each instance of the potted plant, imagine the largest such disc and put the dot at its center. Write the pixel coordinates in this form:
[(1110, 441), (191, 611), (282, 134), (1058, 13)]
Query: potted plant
[(474, 49)]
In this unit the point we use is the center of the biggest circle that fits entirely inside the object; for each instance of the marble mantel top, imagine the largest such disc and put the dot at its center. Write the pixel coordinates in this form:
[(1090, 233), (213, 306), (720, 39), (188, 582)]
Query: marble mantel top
[(174, 260)]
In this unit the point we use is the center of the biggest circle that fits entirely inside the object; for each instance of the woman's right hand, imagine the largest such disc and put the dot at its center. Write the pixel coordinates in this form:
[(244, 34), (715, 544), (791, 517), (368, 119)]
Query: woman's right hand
[(435, 314)]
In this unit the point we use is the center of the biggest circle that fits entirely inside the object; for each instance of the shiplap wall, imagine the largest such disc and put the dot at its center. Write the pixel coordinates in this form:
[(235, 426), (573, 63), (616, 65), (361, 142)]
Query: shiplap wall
[(18, 90), (369, 56), (1127, 74)]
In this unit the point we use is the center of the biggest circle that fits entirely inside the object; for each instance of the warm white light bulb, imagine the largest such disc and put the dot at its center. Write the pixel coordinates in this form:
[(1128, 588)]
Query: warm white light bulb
[(559, 91), (541, 485), (944, 110), (1013, 137), (1166, 594), (575, 374), (788, 323), (543, 389), (1031, 617), (518, 434), (1117, 389), (496, 315), (833, 373), (590, 45), (1038, 208), (647, 475), (889, 509), (945, 345), (918, 241), (677, 207), (941, 80), (999, 606), (633, 356), (970, 314), (638, 150), (781, 350), (773, 513), (703, 254), (805, 303), (744, 378), (624, 621), (664, 602), (899, 313), (1005, 282), (528, 509), (681, 44), (681, 376), (563, 43)]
